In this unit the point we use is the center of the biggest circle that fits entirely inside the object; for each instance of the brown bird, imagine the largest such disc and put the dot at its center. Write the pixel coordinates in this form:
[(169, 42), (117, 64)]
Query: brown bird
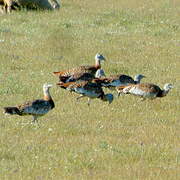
[(35, 108), (87, 89), (119, 80), (86, 76), (147, 90), (66, 74)]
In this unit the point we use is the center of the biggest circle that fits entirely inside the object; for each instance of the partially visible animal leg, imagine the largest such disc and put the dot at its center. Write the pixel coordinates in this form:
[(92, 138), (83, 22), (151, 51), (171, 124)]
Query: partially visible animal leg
[(143, 99), (9, 9), (89, 100), (34, 119), (1, 9), (120, 93), (4, 8)]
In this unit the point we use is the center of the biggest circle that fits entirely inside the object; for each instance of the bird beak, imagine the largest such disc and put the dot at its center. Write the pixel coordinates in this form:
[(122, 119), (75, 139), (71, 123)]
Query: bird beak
[(102, 58)]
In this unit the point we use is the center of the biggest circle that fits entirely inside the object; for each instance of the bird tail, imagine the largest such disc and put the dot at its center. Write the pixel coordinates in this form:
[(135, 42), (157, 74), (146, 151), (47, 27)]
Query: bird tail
[(120, 89), (11, 110), (64, 85), (57, 73)]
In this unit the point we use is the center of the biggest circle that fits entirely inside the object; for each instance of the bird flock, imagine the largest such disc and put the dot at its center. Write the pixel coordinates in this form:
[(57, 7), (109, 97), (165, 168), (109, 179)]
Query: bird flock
[(89, 81)]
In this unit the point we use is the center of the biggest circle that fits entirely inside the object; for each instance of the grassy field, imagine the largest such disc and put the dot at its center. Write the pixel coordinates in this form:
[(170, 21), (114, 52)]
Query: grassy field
[(128, 139)]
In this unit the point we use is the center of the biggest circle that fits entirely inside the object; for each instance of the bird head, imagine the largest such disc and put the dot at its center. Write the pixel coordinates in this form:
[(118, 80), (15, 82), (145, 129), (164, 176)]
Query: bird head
[(168, 86), (138, 77), (100, 73), (99, 57)]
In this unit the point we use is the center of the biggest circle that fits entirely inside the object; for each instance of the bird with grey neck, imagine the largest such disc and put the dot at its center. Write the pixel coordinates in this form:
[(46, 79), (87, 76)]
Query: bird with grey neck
[(35, 108), (90, 69), (147, 90)]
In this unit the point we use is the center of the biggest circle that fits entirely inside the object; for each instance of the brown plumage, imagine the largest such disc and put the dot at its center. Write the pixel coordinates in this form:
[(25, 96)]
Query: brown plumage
[(88, 89), (84, 76), (66, 74), (118, 80), (78, 76), (35, 108), (147, 90)]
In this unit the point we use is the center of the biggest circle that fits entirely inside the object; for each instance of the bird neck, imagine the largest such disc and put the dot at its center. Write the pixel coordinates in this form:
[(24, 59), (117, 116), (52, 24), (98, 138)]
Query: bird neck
[(97, 63), (47, 95), (165, 92), (137, 80)]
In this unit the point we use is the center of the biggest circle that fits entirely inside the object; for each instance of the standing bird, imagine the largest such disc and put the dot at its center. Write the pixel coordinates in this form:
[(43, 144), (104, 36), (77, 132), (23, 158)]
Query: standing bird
[(35, 108), (147, 90), (89, 89), (66, 74), (119, 80)]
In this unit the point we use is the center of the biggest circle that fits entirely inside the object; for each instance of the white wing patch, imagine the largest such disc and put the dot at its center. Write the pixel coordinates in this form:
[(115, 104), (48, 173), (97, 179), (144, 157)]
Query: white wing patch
[(138, 92)]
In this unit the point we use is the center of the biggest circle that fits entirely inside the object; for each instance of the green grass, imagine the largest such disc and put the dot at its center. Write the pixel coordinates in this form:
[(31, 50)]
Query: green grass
[(129, 139)]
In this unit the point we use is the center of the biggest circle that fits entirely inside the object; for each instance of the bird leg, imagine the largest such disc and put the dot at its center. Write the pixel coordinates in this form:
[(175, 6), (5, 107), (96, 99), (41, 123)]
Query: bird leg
[(89, 100), (81, 96), (142, 99), (34, 119), (119, 94)]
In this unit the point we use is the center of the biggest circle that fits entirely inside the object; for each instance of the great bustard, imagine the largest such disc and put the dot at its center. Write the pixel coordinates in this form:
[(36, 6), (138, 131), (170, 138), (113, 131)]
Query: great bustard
[(87, 89), (119, 80), (147, 90), (66, 74), (35, 108)]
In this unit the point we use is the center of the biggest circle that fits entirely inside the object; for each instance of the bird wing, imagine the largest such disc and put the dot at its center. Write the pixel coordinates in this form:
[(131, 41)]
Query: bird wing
[(108, 82), (141, 89), (37, 107), (103, 80), (65, 85), (86, 88), (148, 87), (80, 69), (115, 80), (125, 79), (80, 76), (77, 84)]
